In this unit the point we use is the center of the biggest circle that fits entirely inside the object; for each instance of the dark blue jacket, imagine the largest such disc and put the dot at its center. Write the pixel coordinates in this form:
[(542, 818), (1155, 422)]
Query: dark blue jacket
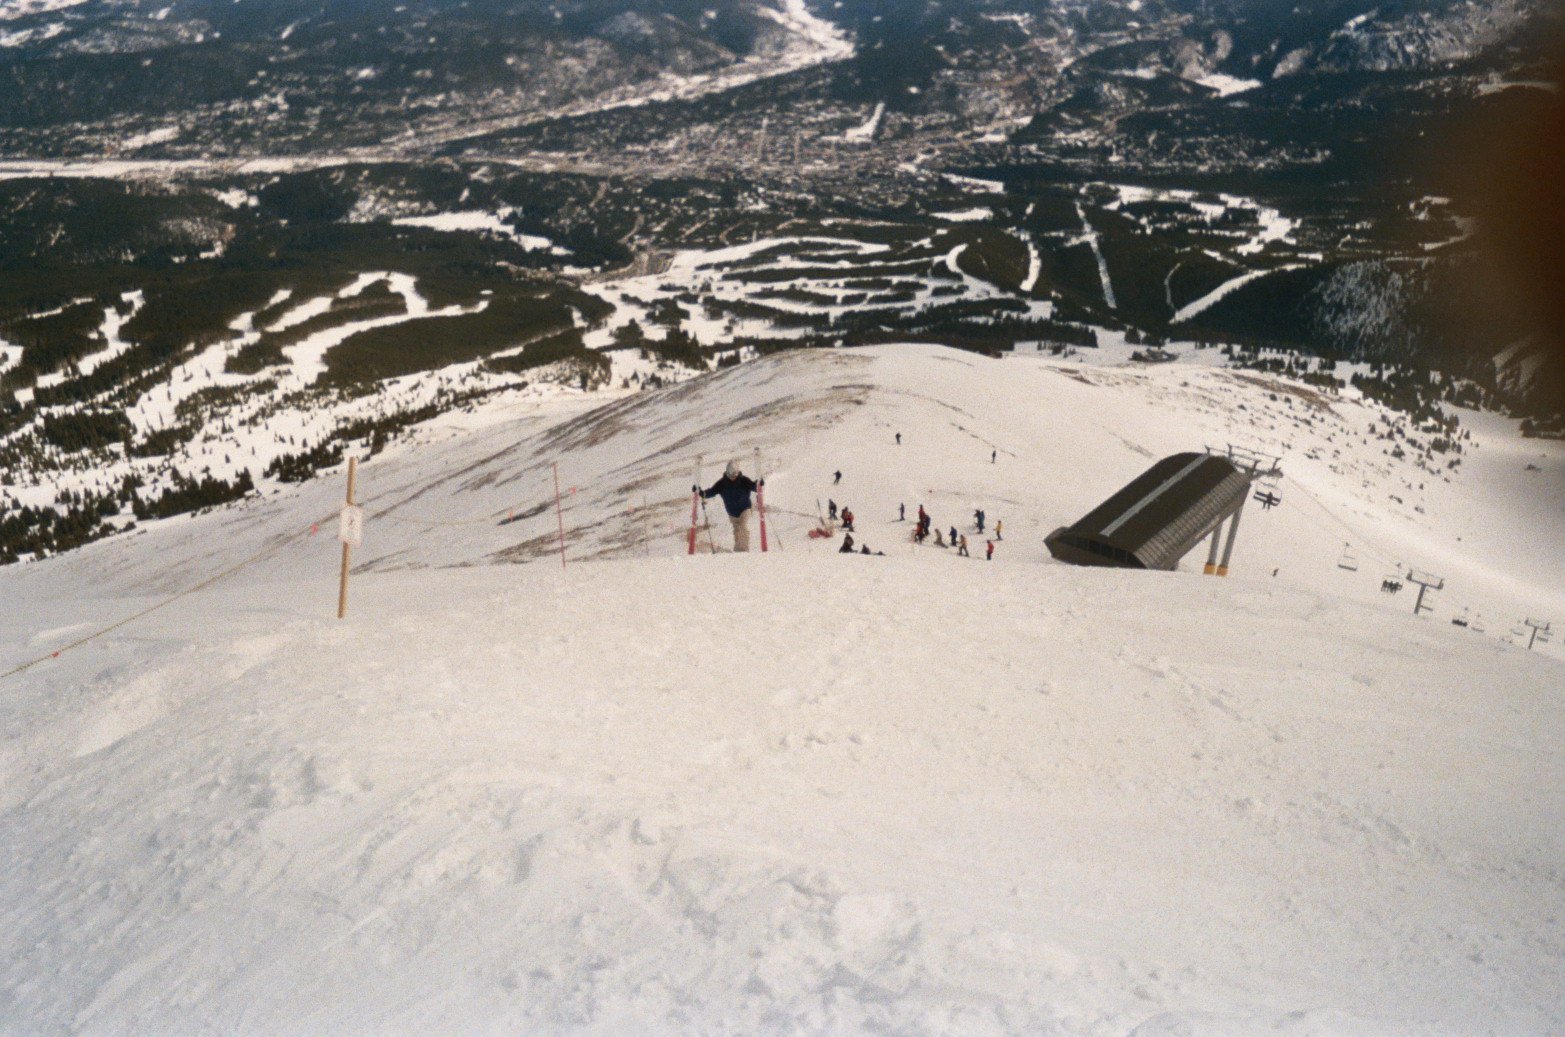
[(735, 493)]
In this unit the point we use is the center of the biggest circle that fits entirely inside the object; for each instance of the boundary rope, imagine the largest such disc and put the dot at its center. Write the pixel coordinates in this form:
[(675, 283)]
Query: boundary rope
[(187, 592), (311, 530)]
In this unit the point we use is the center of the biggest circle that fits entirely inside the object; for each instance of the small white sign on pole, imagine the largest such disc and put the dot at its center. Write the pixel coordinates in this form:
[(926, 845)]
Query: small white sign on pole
[(350, 529)]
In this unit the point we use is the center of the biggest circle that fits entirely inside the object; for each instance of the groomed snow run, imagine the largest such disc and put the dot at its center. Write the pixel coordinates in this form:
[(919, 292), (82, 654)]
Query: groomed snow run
[(823, 41), (794, 793), (865, 133), (491, 223), (1226, 85), (1211, 298)]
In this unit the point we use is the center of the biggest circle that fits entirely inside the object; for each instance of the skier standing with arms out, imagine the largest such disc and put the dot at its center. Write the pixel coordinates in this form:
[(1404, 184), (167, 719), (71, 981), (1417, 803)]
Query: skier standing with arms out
[(735, 488)]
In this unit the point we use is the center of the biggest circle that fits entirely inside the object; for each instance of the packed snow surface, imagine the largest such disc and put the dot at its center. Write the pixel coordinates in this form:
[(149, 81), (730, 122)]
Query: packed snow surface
[(493, 224), (973, 215), (865, 133), (12, 10), (796, 792), (1226, 85), (1211, 298)]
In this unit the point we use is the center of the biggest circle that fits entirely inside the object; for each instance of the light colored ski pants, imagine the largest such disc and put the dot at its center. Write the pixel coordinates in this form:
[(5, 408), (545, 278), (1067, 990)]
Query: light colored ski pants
[(742, 531)]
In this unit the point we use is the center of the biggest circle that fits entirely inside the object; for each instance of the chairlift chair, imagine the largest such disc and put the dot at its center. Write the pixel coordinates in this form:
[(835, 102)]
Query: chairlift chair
[(1348, 560)]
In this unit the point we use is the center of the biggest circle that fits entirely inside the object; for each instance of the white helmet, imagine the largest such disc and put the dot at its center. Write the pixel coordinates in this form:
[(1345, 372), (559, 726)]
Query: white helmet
[(732, 471)]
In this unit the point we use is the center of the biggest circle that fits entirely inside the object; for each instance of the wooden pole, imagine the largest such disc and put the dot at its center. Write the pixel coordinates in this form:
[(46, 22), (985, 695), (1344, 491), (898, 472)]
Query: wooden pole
[(347, 548), (558, 514)]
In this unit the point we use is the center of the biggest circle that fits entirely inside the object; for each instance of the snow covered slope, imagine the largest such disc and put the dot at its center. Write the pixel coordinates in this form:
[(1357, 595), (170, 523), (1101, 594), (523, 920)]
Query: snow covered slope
[(798, 792), (1064, 435)]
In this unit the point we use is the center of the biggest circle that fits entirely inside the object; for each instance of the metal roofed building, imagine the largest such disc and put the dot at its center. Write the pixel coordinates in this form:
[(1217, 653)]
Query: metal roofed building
[(1155, 520)]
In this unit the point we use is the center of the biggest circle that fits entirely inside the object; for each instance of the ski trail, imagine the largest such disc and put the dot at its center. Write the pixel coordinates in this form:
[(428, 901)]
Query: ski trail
[(1091, 235), (1215, 295)]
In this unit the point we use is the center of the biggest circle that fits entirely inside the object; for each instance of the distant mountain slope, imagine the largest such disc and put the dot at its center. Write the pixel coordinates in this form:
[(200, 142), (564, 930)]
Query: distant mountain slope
[(339, 221), (207, 76)]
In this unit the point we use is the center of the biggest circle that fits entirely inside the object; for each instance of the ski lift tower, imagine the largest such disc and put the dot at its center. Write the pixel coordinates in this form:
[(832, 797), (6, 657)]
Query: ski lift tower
[(1259, 463), (1537, 626), (1255, 465), (1426, 582)]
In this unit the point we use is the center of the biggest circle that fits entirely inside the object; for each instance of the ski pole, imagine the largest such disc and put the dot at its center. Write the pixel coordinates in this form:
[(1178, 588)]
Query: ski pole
[(707, 518), (760, 497), (695, 497)]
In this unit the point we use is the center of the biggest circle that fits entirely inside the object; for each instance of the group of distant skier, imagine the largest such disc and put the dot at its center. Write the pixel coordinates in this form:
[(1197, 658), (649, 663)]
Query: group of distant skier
[(737, 490)]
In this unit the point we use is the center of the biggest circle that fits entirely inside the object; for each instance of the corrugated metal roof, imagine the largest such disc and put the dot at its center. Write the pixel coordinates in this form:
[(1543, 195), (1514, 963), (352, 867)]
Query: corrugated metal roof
[(1159, 516)]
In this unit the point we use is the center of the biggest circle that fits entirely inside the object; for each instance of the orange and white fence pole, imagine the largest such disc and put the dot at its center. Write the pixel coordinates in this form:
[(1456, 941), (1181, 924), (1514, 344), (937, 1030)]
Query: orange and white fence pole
[(559, 514), (350, 531)]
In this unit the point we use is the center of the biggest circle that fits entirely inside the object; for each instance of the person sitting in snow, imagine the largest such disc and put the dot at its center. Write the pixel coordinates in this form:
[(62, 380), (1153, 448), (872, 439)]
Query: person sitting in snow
[(847, 544), (735, 488)]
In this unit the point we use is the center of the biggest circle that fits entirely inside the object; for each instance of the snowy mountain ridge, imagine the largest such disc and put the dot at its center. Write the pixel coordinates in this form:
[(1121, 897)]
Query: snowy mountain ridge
[(799, 792), (1363, 472)]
